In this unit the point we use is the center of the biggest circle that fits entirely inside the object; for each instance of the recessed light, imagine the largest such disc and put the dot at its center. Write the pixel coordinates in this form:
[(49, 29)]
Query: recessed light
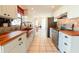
[(52, 7), (32, 8)]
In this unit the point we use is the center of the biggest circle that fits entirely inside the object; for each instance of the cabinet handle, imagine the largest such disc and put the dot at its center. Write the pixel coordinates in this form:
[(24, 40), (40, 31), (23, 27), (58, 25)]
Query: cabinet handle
[(64, 51), (19, 44), (19, 39), (65, 43), (5, 14), (8, 15), (66, 37)]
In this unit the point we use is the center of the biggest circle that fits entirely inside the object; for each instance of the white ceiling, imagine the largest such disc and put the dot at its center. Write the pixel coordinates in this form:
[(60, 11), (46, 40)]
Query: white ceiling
[(40, 9)]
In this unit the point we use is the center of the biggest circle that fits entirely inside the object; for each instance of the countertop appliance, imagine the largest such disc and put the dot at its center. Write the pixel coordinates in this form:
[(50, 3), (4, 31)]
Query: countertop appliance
[(67, 27)]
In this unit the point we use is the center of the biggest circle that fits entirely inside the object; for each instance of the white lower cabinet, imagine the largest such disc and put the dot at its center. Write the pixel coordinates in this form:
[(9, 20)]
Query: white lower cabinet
[(29, 40), (68, 44), (66, 48), (60, 46), (17, 45)]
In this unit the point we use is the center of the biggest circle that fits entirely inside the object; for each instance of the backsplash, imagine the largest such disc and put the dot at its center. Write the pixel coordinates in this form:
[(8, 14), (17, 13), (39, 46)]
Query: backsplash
[(8, 29), (74, 21), (5, 20)]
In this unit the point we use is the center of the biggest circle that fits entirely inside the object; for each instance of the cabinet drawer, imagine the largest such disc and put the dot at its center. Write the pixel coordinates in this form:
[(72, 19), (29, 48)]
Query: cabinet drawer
[(66, 43), (8, 11), (67, 38), (21, 38), (67, 49)]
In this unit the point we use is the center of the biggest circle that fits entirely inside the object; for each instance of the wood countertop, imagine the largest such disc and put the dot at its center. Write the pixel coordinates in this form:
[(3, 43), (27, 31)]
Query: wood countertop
[(72, 33), (5, 38)]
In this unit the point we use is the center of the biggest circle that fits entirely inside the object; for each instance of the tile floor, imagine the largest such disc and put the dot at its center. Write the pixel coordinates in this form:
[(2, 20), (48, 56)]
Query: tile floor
[(40, 45)]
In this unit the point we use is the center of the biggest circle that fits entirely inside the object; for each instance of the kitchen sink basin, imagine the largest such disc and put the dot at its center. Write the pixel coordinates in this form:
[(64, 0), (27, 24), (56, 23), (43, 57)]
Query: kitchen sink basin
[(27, 29)]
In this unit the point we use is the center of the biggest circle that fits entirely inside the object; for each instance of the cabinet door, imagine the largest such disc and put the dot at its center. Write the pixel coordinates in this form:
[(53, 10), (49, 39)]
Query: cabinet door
[(3, 10), (21, 44), (66, 43), (67, 48), (11, 11), (29, 40), (0, 49), (0, 9), (10, 47), (60, 43), (53, 36), (18, 45), (8, 11), (14, 12), (51, 30)]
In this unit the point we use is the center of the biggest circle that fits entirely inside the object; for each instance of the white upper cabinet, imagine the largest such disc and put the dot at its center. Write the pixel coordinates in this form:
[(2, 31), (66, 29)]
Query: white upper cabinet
[(9, 11), (3, 11), (0, 10), (12, 11)]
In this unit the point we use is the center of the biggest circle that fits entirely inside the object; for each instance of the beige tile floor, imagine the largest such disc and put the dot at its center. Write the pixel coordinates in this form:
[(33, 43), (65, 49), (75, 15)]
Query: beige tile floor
[(40, 45)]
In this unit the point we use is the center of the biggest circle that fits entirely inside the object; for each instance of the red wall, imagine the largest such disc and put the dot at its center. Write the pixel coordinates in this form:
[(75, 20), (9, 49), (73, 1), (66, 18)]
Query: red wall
[(20, 10)]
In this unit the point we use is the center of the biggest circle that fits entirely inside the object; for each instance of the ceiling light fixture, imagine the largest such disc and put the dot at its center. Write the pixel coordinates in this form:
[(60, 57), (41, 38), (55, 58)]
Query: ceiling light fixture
[(32, 8)]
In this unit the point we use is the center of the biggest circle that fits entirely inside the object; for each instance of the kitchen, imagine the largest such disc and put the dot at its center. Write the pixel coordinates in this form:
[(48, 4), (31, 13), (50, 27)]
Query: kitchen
[(15, 36), (59, 25)]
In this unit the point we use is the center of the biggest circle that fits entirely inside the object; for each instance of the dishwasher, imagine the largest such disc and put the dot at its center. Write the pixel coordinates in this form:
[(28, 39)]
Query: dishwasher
[(55, 35)]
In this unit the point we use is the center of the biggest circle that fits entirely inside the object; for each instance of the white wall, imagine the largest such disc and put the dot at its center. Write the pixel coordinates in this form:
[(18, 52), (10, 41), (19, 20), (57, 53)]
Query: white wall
[(42, 20), (40, 14), (73, 10)]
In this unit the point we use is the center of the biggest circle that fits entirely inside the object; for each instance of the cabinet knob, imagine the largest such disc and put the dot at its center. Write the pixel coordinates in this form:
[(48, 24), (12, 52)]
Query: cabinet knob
[(64, 51), (5, 14), (8, 15), (66, 37), (65, 43), (19, 44), (19, 39)]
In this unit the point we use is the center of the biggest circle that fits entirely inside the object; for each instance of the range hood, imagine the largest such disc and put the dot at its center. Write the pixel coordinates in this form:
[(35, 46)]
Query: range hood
[(63, 15)]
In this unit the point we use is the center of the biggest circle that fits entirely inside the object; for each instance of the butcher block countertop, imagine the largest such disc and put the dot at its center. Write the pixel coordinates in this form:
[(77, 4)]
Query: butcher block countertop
[(5, 38), (72, 33)]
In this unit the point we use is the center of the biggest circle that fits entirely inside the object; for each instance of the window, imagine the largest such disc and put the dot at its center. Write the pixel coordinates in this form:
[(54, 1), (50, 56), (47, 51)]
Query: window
[(16, 21), (55, 19)]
